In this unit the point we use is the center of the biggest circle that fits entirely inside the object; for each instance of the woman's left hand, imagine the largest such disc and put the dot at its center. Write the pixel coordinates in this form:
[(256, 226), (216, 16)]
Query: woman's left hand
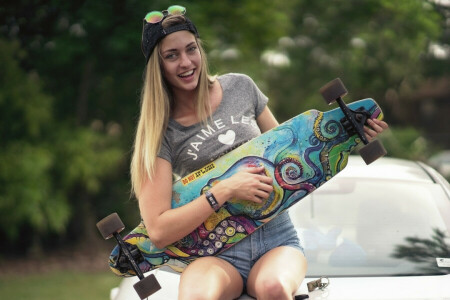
[(375, 127)]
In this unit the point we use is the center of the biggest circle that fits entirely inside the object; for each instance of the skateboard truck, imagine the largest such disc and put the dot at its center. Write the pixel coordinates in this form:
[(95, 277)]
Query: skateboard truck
[(353, 121), (123, 263), (111, 226)]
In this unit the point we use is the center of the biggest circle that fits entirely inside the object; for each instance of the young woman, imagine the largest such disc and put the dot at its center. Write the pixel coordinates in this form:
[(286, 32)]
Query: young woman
[(188, 118)]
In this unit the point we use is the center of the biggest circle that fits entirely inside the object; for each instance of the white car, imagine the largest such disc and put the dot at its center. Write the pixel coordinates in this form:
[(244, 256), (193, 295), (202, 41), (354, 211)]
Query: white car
[(373, 232)]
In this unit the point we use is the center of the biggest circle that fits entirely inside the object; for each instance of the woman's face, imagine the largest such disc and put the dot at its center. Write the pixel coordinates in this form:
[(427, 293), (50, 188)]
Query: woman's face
[(181, 60)]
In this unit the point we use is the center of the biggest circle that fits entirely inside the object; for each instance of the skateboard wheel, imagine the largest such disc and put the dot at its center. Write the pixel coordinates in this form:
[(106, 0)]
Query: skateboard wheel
[(333, 90), (110, 225), (372, 151), (147, 286)]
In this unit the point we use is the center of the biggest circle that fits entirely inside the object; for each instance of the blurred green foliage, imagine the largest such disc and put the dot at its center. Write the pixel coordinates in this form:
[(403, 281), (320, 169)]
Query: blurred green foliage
[(42, 158), (71, 74), (408, 143), (62, 285), (373, 46)]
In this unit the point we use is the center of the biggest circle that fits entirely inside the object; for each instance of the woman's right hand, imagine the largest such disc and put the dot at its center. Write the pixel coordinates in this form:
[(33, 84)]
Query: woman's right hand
[(250, 184)]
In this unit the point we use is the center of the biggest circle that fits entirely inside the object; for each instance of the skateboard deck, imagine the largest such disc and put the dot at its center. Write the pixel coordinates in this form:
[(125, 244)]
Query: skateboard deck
[(300, 155)]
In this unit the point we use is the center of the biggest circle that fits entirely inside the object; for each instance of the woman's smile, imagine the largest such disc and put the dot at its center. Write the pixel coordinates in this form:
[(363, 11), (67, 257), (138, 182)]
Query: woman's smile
[(187, 74)]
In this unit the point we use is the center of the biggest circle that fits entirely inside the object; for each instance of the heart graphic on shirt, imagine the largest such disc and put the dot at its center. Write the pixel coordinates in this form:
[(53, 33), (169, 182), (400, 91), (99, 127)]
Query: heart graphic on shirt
[(227, 138)]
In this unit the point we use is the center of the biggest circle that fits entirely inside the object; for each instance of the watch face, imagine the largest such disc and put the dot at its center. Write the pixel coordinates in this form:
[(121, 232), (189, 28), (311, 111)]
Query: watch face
[(212, 200)]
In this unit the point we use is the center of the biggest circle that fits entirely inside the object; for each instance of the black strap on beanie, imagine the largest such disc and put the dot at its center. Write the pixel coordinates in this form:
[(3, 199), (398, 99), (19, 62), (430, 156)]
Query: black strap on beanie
[(153, 33)]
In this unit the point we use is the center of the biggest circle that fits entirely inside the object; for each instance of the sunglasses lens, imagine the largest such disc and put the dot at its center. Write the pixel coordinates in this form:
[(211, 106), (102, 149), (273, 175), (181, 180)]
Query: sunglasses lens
[(154, 17), (176, 10)]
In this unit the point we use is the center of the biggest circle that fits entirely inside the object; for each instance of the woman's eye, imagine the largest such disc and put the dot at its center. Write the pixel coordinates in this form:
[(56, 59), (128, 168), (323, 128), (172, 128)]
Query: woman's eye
[(170, 56), (192, 49)]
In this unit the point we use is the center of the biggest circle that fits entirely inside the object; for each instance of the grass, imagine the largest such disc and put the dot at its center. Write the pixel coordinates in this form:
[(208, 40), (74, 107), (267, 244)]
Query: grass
[(58, 285)]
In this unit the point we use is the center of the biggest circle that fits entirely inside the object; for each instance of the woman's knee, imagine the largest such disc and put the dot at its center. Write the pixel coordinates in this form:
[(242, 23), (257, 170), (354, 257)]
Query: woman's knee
[(272, 288), (198, 292), (210, 278), (208, 290)]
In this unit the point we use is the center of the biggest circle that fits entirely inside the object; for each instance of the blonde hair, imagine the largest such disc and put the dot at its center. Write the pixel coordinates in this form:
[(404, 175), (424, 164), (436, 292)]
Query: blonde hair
[(156, 105)]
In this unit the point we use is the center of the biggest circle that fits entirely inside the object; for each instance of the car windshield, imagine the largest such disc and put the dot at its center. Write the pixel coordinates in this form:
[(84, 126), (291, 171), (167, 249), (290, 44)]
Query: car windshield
[(368, 227)]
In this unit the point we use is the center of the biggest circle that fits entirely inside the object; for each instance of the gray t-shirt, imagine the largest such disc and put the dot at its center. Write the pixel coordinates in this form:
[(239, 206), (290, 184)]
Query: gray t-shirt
[(233, 123)]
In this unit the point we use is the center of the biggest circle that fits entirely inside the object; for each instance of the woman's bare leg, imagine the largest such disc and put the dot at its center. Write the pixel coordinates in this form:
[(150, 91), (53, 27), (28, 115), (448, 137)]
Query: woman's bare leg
[(277, 274), (210, 278)]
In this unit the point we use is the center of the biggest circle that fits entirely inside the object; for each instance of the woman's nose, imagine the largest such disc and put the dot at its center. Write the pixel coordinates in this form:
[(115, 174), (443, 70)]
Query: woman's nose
[(184, 61)]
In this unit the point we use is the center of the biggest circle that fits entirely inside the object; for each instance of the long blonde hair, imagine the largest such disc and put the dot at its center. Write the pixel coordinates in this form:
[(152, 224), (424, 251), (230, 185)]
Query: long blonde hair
[(156, 105)]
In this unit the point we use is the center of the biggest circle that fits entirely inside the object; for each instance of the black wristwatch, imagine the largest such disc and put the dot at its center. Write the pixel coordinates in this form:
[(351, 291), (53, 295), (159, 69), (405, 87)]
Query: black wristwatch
[(212, 201)]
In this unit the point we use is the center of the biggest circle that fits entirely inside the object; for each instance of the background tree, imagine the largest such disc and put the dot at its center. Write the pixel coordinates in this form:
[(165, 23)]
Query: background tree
[(71, 73), (375, 46), (381, 49), (425, 251), (43, 162)]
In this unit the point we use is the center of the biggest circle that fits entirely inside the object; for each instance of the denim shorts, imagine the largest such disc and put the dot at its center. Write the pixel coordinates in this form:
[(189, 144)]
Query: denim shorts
[(278, 232)]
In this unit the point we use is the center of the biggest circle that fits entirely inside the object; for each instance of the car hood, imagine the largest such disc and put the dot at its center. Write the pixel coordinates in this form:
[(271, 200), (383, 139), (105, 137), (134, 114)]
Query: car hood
[(380, 288), (348, 288)]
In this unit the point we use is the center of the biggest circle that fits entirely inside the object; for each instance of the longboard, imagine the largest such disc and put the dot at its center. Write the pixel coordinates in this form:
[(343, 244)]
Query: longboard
[(300, 155)]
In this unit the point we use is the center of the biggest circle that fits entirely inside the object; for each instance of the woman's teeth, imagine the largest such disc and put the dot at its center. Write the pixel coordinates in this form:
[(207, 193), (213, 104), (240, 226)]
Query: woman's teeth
[(189, 73)]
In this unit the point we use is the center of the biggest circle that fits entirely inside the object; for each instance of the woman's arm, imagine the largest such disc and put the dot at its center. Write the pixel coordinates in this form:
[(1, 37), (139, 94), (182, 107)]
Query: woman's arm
[(166, 225), (266, 120)]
